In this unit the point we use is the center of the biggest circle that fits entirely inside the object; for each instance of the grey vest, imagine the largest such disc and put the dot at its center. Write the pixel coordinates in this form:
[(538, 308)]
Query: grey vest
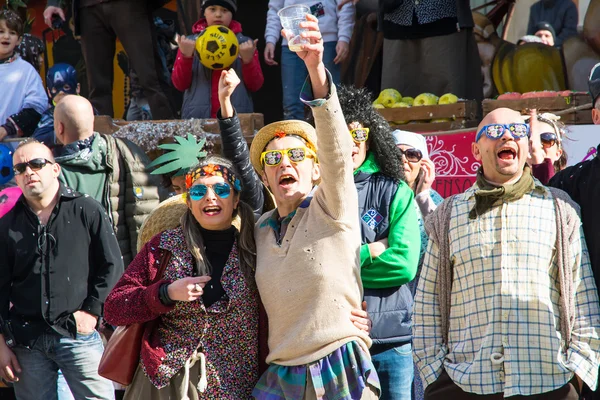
[(390, 309), (196, 99)]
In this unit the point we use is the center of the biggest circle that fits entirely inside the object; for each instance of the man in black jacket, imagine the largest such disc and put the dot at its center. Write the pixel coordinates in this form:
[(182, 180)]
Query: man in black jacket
[(60, 259), (100, 22), (582, 183)]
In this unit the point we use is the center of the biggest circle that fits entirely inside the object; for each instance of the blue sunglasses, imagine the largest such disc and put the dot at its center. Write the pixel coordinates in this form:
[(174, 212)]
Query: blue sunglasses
[(496, 131), (222, 189)]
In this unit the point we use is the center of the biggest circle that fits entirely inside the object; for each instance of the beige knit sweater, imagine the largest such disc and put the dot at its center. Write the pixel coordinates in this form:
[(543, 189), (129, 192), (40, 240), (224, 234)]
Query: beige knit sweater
[(310, 283)]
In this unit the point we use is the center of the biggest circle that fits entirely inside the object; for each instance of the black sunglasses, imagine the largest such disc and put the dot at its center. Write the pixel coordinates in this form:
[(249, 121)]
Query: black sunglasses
[(412, 155), (36, 164), (548, 139)]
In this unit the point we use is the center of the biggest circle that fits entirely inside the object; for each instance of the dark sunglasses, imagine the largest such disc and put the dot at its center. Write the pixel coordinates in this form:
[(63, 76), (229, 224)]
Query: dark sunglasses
[(36, 164), (496, 131), (360, 135), (222, 189), (412, 155), (548, 139)]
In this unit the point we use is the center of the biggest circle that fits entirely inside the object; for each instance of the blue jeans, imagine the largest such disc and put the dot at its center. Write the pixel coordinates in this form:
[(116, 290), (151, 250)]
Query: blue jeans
[(293, 75), (64, 393), (396, 370), (78, 359)]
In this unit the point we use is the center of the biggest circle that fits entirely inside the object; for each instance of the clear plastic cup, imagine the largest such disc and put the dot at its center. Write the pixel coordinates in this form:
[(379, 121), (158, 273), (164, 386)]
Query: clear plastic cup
[(290, 17)]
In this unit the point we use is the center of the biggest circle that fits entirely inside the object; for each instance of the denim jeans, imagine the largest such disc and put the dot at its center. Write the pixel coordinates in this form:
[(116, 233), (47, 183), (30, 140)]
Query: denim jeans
[(78, 360), (396, 370), (293, 75), (64, 392)]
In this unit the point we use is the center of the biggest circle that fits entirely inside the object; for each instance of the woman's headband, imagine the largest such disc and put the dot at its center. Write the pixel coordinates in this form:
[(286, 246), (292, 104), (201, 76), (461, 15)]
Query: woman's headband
[(213, 170)]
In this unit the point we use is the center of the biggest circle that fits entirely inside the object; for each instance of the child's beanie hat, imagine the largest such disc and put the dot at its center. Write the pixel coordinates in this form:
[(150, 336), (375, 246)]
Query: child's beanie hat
[(228, 4)]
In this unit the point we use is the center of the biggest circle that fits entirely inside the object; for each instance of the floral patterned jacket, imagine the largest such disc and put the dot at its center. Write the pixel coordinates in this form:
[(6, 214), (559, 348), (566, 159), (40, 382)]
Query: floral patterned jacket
[(226, 332)]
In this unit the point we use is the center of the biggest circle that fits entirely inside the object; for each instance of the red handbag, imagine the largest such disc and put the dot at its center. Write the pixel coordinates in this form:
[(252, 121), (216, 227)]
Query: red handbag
[(122, 353)]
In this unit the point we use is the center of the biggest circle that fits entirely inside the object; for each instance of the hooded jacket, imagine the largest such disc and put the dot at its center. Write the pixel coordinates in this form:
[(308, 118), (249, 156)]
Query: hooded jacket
[(386, 210), (200, 98), (113, 171)]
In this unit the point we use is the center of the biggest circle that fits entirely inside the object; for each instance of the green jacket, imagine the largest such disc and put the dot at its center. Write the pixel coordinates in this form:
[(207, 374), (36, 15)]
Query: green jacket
[(393, 203), (114, 173)]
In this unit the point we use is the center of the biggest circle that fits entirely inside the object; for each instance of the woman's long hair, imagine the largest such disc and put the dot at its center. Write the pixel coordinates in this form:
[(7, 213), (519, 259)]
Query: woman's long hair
[(244, 237)]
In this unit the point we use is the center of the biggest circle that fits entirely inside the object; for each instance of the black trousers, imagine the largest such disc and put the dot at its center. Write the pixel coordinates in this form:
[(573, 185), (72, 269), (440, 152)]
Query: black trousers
[(130, 21), (444, 388)]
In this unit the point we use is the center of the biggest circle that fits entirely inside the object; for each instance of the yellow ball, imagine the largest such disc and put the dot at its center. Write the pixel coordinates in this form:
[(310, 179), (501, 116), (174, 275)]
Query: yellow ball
[(217, 47)]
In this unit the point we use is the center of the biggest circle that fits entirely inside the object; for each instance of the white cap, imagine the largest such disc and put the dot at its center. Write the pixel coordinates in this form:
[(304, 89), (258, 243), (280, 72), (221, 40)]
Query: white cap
[(411, 139)]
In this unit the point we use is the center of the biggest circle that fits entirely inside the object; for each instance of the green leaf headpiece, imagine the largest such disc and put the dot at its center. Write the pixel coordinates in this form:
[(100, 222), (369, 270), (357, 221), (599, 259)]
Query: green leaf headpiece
[(181, 156)]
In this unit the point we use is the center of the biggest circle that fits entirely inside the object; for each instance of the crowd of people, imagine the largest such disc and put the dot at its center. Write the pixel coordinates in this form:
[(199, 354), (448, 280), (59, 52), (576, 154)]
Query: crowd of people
[(316, 263)]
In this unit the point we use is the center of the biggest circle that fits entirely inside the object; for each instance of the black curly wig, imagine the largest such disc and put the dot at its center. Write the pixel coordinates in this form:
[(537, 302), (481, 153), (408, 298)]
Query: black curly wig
[(357, 107)]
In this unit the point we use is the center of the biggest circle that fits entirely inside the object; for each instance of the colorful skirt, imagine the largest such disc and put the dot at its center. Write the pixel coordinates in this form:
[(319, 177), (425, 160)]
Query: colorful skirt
[(345, 374)]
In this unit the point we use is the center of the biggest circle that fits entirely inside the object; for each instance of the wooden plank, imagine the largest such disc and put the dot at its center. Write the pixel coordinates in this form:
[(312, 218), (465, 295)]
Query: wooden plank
[(548, 104), (580, 99), (462, 109), (583, 118), (540, 103)]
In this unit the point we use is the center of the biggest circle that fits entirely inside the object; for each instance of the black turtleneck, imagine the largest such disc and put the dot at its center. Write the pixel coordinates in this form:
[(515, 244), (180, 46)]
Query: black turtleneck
[(218, 246)]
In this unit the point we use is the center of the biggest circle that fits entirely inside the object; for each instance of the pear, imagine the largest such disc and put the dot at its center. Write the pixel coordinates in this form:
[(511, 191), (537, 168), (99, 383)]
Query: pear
[(426, 99), (388, 97), (400, 105), (408, 100), (448, 98), (377, 105)]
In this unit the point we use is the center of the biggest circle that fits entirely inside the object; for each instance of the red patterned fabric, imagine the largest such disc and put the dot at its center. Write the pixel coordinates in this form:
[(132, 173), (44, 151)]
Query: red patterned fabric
[(226, 332)]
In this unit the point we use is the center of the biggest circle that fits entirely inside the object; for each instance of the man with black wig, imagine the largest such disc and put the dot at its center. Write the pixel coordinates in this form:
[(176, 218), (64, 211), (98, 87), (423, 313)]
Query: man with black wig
[(390, 239)]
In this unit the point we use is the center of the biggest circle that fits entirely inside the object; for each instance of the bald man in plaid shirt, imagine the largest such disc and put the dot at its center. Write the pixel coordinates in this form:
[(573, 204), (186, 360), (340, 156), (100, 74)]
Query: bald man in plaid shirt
[(506, 305)]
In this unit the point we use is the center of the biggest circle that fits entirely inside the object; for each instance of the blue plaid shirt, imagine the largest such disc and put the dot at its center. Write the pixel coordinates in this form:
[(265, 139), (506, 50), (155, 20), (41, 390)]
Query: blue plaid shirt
[(504, 334)]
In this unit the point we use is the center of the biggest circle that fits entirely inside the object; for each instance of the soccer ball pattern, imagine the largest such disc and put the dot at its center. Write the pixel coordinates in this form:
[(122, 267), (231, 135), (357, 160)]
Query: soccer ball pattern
[(217, 47)]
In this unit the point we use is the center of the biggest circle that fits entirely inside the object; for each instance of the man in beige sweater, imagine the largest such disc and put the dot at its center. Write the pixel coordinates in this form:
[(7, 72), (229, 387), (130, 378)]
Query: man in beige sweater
[(308, 250)]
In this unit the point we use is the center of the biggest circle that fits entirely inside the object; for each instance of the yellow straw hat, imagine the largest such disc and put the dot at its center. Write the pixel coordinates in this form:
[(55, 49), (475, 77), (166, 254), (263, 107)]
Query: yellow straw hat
[(280, 128), (166, 216)]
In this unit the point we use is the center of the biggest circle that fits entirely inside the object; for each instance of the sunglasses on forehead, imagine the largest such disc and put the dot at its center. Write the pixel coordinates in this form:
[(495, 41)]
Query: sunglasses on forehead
[(273, 158), (496, 131), (412, 155), (221, 189), (36, 164), (360, 135)]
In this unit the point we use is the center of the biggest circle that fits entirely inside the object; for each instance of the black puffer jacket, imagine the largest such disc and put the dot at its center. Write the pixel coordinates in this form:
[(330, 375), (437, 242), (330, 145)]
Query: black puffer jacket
[(235, 148)]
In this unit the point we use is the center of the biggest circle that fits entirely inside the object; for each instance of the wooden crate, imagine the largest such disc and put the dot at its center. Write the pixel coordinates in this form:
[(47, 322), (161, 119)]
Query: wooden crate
[(462, 115), (548, 104)]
